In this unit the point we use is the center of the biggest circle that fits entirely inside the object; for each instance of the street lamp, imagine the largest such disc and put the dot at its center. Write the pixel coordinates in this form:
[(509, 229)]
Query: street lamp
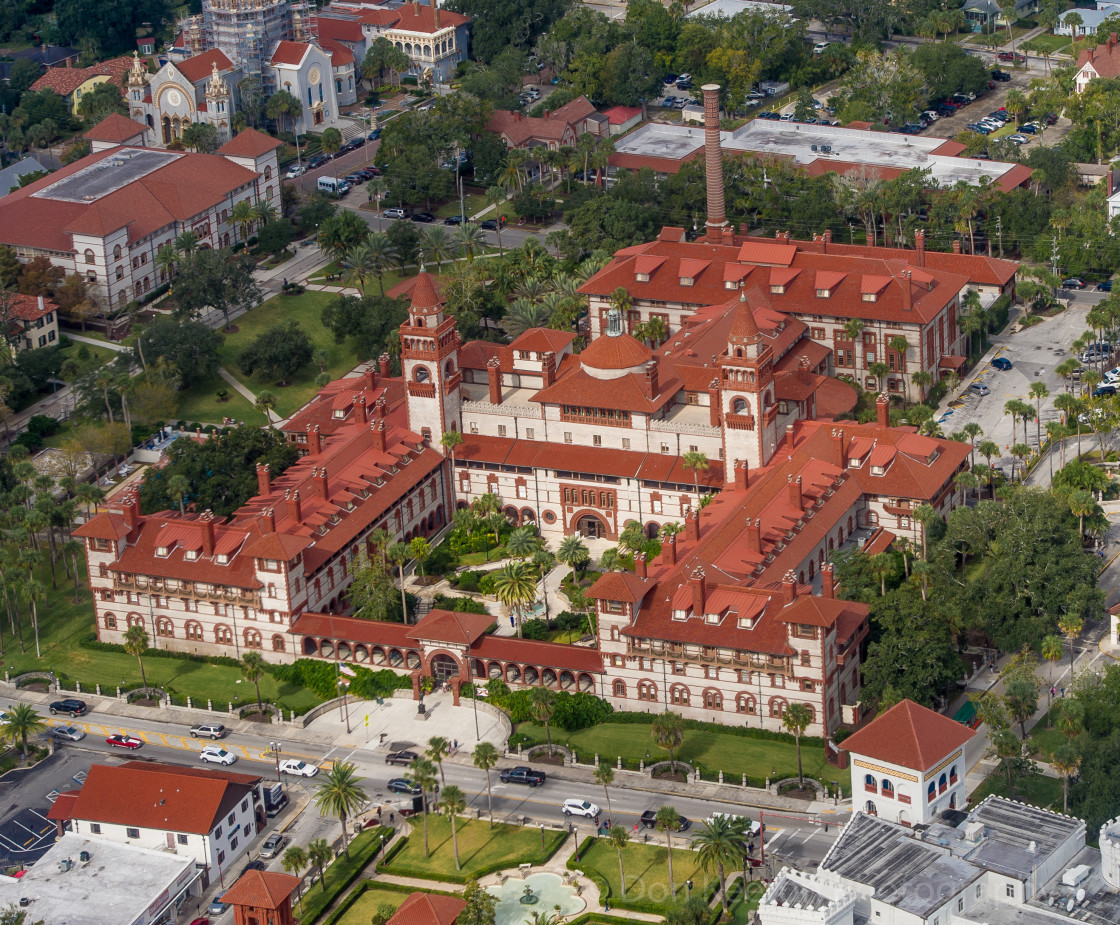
[(275, 748), (344, 707), (382, 854), (542, 842)]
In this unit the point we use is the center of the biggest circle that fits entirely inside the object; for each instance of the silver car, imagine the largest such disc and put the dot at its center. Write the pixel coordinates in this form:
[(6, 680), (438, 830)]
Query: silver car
[(68, 734)]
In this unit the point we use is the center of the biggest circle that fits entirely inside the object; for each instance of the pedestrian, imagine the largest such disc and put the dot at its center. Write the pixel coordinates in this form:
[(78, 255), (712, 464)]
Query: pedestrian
[(378, 813), (635, 827), (826, 826), (392, 818), (285, 282), (1063, 691)]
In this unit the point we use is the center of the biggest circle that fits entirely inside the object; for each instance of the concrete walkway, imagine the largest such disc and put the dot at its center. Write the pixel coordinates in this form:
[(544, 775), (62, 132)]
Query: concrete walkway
[(233, 381), (93, 342)]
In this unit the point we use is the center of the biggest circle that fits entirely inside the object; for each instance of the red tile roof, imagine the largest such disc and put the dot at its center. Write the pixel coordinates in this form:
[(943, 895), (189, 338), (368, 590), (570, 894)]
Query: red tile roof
[(1105, 59), (29, 307), (521, 129), (290, 53), (200, 67), (159, 797), (617, 115), (909, 735), (62, 810), (339, 53), (65, 80), (422, 19), (250, 143), (115, 127), (261, 889), (620, 586), (334, 406), (428, 909), (353, 630), (451, 626), (542, 340), (339, 30), (405, 286), (544, 654), (612, 353)]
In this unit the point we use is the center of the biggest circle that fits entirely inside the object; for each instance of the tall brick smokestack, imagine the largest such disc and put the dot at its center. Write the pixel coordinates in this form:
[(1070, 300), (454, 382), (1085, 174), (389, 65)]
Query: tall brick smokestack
[(713, 164)]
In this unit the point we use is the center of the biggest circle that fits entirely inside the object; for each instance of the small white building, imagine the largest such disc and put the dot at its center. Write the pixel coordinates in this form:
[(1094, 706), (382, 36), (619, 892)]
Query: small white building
[(909, 764)]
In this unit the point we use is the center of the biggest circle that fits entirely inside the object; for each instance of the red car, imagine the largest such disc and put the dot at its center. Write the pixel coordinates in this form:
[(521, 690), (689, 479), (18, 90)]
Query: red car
[(201, 922), (122, 741)]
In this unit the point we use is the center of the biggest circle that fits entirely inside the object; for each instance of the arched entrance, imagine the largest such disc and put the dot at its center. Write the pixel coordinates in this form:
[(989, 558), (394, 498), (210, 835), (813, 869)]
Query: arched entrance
[(166, 125), (591, 526), (444, 667)]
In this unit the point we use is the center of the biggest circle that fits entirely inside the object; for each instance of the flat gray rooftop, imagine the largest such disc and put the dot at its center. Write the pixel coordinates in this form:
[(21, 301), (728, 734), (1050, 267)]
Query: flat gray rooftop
[(108, 175), (914, 876), (731, 8), (656, 139), (790, 892), (994, 912), (118, 884)]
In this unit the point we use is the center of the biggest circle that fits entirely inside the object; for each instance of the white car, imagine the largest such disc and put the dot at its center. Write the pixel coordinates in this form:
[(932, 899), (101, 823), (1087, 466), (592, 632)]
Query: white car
[(580, 808), (819, 47), (298, 768), (931, 115), (1112, 375), (215, 754), (296, 170)]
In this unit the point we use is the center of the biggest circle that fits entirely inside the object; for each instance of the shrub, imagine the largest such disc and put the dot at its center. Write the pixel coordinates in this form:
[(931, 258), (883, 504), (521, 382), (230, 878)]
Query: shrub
[(322, 678), (459, 604), (43, 426), (33, 442), (466, 581), (486, 583)]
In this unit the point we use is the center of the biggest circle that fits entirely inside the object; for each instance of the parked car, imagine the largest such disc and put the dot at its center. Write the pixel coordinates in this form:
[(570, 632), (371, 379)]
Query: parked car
[(580, 808), (252, 865), (404, 785), (272, 845), (488, 225), (1073, 282), (425, 217), (820, 47), (1001, 363), (296, 170), (649, 820), (298, 768), (401, 757), (1019, 139), (374, 135), (1051, 118), (396, 213), (70, 705), (453, 220), (215, 754), (217, 907), (1102, 390), (1105, 285), (1002, 76), (319, 160), (668, 102), (123, 741), (522, 775), (68, 733), (208, 731), (978, 388)]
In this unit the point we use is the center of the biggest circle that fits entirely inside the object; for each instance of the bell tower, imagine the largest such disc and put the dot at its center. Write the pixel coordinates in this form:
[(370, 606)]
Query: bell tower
[(748, 408), (218, 103), (430, 363)]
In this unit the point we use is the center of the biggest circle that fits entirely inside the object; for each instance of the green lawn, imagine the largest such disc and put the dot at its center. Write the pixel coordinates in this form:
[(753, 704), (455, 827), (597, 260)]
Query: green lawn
[(647, 870), (307, 310), (62, 624), (199, 404), (91, 358), (714, 751), (1050, 43), (742, 909), (480, 848), (1034, 789), (371, 900), (472, 204), (340, 874)]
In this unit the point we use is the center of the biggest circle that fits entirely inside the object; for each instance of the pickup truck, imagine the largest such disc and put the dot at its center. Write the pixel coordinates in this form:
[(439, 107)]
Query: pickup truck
[(523, 775), (649, 820)]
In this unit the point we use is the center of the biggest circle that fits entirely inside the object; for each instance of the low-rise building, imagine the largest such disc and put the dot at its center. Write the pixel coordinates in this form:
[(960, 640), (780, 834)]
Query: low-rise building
[(71, 83), (11, 175), (1102, 61), (262, 897), (34, 320), (428, 909), (552, 131), (434, 39)]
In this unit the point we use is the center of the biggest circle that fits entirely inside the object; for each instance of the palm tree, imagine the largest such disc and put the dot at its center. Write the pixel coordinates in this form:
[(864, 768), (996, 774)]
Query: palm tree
[(522, 543), (166, 258), (453, 803), (1070, 626), (695, 460), (320, 853), (495, 196), (573, 553), (515, 586), (398, 554), (186, 242), (252, 668), (718, 847), (485, 757), (922, 379), (619, 835), (178, 486), (243, 215), (611, 560), (1065, 761), (341, 795), (1022, 452), (136, 644), (359, 265), (604, 775), (1038, 392), (436, 243), (1082, 505), (668, 733), (264, 211), (668, 820), (471, 240), (31, 592), (295, 859), (264, 403), (437, 748), (423, 775), (797, 718), (379, 255), (22, 722), (988, 449), (542, 704), (1051, 650)]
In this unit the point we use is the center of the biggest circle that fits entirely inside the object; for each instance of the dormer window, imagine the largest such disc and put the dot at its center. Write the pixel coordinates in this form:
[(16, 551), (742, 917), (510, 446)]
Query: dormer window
[(855, 463), (731, 284), (222, 559), (687, 281), (878, 470), (711, 618), (339, 413), (870, 297), (824, 293), (161, 551), (192, 555), (641, 277), (746, 623), (777, 289)]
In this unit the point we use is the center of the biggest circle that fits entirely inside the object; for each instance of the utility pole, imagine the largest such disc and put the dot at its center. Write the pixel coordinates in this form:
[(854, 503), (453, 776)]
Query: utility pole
[(1054, 261), (999, 234)]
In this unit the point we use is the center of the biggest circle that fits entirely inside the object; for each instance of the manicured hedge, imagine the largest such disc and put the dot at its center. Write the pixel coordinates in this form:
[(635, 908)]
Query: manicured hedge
[(342, 873)]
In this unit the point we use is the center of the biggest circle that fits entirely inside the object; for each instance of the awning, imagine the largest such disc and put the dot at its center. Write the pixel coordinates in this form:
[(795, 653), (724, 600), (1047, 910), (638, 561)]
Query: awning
[(951, 362)]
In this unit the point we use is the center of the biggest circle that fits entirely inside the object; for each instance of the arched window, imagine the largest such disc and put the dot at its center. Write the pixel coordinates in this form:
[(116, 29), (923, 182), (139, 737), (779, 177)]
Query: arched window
[(713, 699), (165, 627), (869, 783), (678, 694), (268, 172), (252, 639), (619, 687), (931, 792), (193, 630), (88, 255), (888, 788), (778, 708), (943, 783), (134, 619), (870, 808), (223, 635), (647, 690), (745, 703), (116, 253), (872, 519), (739, 406), (110, 621), (952, 775), (277, 643), (421, 374)]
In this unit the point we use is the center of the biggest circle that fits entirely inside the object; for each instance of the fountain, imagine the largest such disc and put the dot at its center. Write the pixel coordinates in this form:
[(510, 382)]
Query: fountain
[(517, 899)]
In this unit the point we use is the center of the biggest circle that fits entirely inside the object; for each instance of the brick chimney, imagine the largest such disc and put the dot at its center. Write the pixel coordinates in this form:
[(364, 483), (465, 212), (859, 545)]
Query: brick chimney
[(370, 378), (269, 520), (794, 491), (713, 165), (803, 369), (384, 366), (130, 508), (696, 581), (839, 449), (669, 549), (883, 410), (378, 410), (692, 527), (416, 7), (640, 568), (754, 535), (435, 15), (920, 248), (789, 588), (378, 428), (649, 384), (548, 367), (729, 237), (826, 239), (494, 373), (314, 441), (828, 581), (1112, 40), (291, 503), (956, 247), (713, 403), (907, 291), (207, 522), (320, 476), (264, 479), (360, 415), (742, 474)]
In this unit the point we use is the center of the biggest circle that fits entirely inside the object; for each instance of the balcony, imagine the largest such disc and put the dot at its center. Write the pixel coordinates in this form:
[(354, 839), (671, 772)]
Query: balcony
[(422, 389)]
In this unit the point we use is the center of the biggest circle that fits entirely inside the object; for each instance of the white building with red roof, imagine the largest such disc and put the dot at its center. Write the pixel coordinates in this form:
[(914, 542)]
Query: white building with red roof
[(33, 320), (909, 764), (1102, 61), (434, 39)]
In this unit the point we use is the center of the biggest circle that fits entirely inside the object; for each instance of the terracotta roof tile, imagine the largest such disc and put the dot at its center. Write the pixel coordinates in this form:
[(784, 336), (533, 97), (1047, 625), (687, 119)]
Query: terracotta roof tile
[(542, 340), (544, 654), (451, 626), (428, 909), (339, 53), (65, 80), (115, 127), (340, 30), (200, 67), (613, 353), (619, 586), (289, 53), (250, 143), (422, 20), (261, 889), (909, 735)]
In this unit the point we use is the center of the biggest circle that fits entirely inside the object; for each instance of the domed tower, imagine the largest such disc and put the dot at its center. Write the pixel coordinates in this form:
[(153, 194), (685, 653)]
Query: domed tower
[(749, 411), (430, 363), (615, 354), (218, 104)]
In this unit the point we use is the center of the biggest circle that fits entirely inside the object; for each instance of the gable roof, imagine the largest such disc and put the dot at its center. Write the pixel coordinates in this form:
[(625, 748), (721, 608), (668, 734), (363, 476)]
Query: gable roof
[(200, 67), (115, 127), (250, 143), (290, 54), (261, 889), (65, 80), (428, 909), (909, 735), (1105, 59)]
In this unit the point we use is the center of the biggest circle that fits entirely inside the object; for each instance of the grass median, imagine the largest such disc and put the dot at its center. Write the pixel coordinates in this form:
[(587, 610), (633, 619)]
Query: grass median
[(647, 873)]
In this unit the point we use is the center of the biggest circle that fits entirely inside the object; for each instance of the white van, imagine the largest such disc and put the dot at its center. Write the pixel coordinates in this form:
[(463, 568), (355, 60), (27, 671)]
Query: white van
[(333, 186), (755, 827)]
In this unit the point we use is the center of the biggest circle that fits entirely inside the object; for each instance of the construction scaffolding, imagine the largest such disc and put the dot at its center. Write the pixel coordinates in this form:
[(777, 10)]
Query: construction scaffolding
[(249, 30)]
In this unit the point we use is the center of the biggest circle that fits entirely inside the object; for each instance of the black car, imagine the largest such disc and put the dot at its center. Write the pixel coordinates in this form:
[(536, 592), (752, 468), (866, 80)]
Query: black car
[(318, 161), (523, 775), (425, 217), (1073, 283), (70, 705), (1104, 286), (402, 785), (252, 865), (1101, 390), (401, 757), (374, 135), (453, 220), (649, 820)]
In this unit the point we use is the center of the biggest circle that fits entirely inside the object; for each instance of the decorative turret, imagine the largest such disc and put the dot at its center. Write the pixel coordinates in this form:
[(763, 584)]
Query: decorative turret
[(137, 73)]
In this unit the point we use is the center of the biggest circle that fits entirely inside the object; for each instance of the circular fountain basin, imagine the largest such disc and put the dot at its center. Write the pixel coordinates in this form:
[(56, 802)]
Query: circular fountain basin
[(550, 890)]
